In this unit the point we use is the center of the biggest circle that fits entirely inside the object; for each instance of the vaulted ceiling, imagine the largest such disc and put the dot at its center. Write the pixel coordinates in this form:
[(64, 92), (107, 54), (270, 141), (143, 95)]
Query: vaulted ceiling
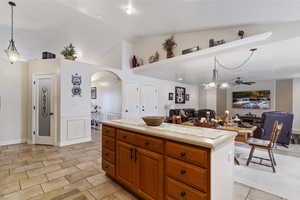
[(97, 26)]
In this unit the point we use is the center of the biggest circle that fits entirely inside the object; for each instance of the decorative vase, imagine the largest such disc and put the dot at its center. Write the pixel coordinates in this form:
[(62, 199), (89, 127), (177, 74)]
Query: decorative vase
[(70, 57), (134, 62), (170, 53)]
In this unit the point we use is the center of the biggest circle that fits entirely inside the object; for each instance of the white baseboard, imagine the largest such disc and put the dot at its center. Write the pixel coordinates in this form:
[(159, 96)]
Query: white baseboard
[(15, 141), (75, 141)]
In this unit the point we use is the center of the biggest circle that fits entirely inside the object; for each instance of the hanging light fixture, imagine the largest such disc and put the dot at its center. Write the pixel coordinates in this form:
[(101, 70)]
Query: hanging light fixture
[(214, 83), (12, 52), (224, 85)]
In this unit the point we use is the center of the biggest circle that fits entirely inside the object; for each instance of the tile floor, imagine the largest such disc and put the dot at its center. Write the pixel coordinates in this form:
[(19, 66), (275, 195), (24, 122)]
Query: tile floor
[(38, 172)]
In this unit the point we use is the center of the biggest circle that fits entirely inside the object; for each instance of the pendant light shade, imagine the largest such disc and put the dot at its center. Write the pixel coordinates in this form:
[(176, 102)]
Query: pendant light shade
[(12, 52), (214, 83)]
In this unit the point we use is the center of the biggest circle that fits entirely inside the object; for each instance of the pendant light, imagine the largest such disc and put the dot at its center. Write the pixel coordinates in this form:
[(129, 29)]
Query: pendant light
[(214, 83), (224, 85), (12, 52)]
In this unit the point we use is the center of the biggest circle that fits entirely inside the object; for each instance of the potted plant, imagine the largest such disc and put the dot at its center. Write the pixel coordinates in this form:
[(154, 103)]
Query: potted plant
[(169, 45), (69, 52)]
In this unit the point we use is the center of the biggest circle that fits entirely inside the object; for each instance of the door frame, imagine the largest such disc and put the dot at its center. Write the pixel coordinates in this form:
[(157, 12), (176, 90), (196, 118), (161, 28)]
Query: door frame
[(35, 107)]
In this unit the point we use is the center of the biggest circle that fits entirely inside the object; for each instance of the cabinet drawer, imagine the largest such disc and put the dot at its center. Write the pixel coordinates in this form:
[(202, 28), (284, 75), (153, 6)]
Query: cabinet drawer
[(179, 191), (108, 143), (126, 136), (108, 155), (190, 174), (108, 168), (150, 143), (198, 156), (108, 131)]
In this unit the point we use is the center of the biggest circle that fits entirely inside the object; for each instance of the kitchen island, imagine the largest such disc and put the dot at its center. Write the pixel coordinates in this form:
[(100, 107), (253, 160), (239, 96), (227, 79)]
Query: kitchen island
[(170, 161)]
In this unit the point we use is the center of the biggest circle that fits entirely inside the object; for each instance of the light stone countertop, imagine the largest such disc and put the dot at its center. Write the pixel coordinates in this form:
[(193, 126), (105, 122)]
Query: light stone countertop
[(205, 137)]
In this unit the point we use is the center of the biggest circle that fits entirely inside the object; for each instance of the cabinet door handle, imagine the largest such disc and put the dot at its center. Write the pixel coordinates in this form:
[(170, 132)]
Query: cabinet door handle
[(131, 154), (146, 144), (135, 155), (182, 193), (183, 171)]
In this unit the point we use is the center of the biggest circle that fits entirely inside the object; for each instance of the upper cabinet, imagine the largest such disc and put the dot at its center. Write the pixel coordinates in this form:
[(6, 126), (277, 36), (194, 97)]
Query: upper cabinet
[(139, 100), (148, 100), (131, 102)]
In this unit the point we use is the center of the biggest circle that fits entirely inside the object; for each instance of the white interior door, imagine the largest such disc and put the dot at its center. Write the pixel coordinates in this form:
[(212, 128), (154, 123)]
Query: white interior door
[(131, 101), (149, 100), (44, 109)]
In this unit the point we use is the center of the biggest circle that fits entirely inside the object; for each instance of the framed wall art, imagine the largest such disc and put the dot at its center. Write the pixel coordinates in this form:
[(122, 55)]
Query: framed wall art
[(93, 93), (179, 95)]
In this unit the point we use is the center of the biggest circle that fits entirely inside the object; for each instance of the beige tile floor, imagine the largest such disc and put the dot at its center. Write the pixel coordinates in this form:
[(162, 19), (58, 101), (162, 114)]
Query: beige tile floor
[(38, 172)]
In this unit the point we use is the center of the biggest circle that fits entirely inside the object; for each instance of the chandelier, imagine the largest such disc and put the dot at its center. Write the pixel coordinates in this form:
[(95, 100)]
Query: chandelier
[(12, 52), (223, 85)]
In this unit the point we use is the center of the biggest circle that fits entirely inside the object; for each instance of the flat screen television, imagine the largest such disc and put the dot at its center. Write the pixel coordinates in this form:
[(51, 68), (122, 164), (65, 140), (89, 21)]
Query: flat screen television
[(258, 99)]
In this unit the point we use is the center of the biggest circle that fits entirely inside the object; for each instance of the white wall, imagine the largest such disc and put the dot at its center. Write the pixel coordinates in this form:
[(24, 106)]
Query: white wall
[(211, 99), (260, 85), (296, 106), (75, 110), (13, 102)]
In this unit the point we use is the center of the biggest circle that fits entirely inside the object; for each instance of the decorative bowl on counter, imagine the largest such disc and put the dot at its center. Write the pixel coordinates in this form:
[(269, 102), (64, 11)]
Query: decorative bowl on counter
[(153, 120)]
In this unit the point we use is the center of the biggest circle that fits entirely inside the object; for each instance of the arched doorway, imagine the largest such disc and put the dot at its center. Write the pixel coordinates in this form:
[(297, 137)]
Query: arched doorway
[(106, 97)]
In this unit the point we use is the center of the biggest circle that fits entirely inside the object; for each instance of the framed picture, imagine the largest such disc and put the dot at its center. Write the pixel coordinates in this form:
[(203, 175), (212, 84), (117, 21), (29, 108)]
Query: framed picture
[(171, 96), (179, 95), (187, 97), (93, 93)]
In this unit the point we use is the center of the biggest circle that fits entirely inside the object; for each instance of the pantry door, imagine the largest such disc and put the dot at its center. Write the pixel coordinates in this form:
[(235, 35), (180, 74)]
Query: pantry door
[(43, 102)]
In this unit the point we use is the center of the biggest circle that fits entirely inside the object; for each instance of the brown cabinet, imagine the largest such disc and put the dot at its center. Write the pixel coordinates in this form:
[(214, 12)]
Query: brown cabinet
[(108, 150), (108, 168), (108, 142), (150, 174), (152, 144), (156, 168), (108, 155), (139, 169), (189, 174), (126, 166), (109, 131), (178, 191), (198, 156)]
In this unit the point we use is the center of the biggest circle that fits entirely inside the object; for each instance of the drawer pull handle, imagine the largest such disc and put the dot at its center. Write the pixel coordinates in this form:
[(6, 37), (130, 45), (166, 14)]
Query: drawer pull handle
[(182, 194), (125, 137), (146, 143), (183, 154), (183, 171), (106, 154)]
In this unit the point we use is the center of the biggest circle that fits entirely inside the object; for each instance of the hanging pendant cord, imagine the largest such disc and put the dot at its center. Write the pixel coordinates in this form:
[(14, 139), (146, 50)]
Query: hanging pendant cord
[(240, 65), (12, 23)]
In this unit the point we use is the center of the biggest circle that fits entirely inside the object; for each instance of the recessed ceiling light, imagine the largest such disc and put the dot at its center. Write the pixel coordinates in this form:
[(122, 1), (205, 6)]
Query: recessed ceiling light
[(129, 10)]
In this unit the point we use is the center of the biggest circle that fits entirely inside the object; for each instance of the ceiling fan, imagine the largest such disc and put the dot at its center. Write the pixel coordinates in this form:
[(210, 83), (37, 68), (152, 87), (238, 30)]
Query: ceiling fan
[(239, 81)]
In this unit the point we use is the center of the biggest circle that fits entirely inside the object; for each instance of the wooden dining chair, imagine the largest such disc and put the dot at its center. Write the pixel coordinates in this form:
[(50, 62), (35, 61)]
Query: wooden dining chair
[(268, 145)]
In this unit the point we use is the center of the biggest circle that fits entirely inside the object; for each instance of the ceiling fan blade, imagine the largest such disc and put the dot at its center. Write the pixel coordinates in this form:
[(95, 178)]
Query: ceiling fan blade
[(248, 83)]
